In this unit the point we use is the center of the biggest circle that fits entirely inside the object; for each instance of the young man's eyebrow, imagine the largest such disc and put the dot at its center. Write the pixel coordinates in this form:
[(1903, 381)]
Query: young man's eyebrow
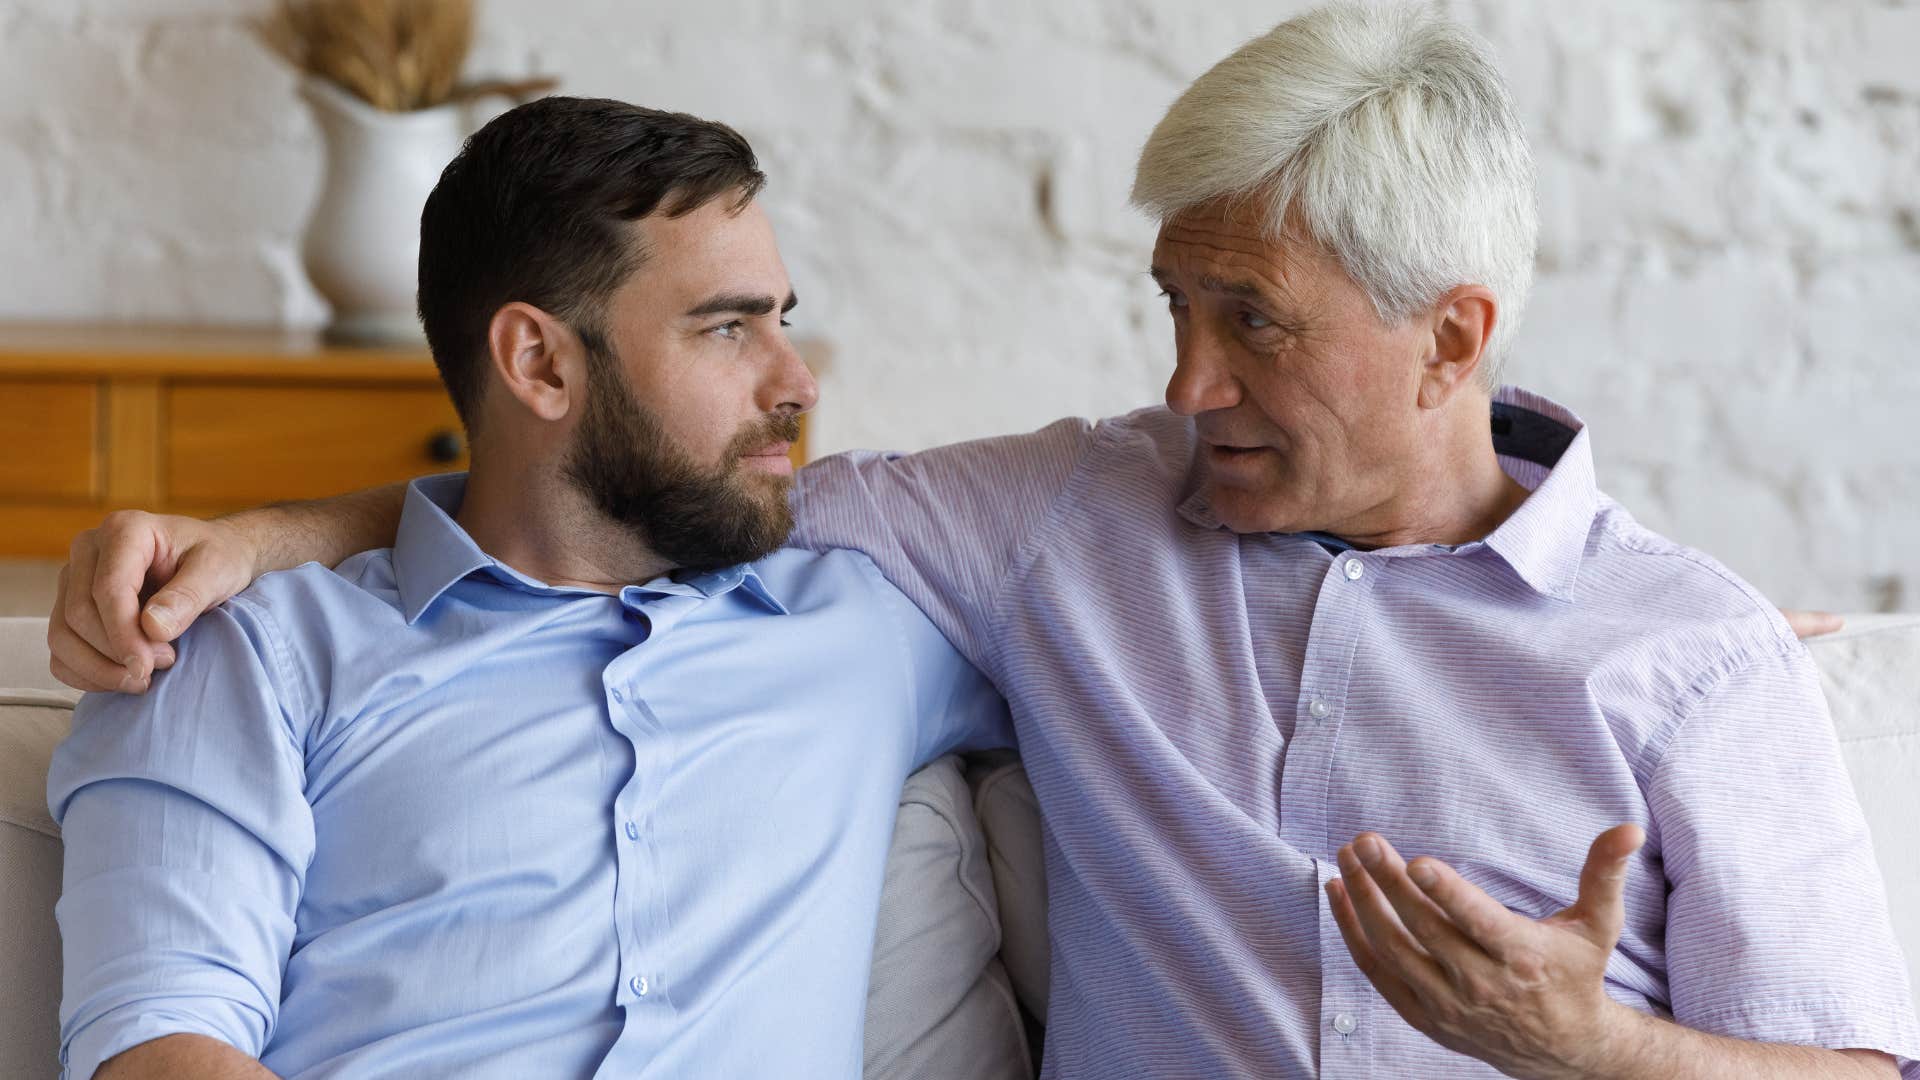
[(741, 304)]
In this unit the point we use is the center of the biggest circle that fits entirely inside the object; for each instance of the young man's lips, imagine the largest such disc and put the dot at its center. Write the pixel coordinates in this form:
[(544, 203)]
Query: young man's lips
[(772, 459)]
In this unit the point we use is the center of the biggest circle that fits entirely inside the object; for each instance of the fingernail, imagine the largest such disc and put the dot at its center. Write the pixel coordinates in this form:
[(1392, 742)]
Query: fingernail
[(161, 614), (1369, 850), (129, 683), (165, 655), (1423, 875)]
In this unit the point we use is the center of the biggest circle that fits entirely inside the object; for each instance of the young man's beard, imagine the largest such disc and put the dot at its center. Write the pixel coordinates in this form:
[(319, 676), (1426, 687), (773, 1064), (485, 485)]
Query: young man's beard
[(623, 460)]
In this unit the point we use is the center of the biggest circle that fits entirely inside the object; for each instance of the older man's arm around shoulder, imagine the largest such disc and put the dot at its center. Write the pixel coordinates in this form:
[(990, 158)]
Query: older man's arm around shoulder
[(187, 837), (1780, 959)]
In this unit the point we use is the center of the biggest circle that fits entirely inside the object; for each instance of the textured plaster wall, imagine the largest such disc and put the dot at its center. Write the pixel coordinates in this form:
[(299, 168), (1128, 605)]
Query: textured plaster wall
[(1729, 273)]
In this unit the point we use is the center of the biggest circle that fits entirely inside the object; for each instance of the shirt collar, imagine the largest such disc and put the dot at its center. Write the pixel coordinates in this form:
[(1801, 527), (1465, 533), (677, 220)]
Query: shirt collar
[(431, 552), (1545, 448)]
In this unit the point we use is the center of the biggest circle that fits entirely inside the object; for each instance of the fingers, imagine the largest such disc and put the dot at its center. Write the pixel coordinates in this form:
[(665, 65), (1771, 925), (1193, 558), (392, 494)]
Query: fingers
[(1808, 624), (1479, 917), (1423, 918), (80, 682), (1396, 949), (75, 607), (1398, 993), (115, 575), (74, 660), (1603, 882)]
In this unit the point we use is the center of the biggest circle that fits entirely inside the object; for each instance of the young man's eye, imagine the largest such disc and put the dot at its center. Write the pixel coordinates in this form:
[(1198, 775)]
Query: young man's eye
[(727, 330)]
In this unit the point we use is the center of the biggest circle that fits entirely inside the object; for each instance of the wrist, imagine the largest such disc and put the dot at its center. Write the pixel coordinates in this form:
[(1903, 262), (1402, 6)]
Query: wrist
[(248, 532), (1613, 1048)]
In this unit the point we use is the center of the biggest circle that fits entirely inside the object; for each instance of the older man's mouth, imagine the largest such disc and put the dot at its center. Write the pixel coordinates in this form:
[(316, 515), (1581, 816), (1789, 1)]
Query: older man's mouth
[(1232, 456)]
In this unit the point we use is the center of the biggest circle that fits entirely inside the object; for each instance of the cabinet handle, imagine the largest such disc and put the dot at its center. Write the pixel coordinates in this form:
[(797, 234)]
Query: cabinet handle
[(444, 447)]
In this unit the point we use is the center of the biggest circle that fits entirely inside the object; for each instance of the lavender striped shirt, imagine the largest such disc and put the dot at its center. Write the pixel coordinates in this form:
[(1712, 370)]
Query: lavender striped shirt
[(1207, 716)]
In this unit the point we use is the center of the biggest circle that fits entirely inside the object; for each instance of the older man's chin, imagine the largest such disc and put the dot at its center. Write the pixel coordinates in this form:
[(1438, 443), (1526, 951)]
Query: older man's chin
[(1245, 509)]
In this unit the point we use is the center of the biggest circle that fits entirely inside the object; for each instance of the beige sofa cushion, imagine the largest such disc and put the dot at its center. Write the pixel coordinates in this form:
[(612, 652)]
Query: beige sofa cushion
[(1003, 799), (32, 723), (939, 1004), (1871, 674)]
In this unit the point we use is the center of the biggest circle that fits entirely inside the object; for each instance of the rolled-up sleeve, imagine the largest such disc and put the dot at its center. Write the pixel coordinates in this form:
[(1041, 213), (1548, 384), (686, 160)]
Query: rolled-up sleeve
[(1777, 926), (187, 837)]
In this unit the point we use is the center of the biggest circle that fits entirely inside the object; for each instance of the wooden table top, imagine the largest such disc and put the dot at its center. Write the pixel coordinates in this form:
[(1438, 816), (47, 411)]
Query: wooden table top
[(134, 350)]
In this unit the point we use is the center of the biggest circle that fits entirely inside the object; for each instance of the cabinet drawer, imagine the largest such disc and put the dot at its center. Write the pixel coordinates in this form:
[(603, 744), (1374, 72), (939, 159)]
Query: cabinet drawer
[(50, 432), (239, 445)]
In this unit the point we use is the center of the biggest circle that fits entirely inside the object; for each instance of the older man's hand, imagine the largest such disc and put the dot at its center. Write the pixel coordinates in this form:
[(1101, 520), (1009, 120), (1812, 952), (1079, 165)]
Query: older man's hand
[(1526, 997), (105, 632)]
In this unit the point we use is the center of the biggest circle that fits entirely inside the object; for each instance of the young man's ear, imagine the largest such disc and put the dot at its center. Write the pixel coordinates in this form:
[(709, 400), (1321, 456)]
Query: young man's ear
[(1463, 323), (538, 359)]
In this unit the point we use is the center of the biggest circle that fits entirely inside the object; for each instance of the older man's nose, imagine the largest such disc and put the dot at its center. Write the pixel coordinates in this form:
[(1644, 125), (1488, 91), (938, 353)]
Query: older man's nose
[(1200, 382)]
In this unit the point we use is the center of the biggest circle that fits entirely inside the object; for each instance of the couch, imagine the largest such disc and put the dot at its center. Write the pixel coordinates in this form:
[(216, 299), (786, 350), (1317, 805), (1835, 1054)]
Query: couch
[(959, 976)]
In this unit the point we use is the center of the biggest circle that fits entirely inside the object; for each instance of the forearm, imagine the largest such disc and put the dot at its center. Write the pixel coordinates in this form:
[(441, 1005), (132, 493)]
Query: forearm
[(1649, 1047), (325, 531), (179, 1057)]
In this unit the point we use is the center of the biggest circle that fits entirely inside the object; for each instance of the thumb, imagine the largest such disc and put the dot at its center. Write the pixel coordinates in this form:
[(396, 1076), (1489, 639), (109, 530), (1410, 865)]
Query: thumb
[(1603, 881), (195, 587)]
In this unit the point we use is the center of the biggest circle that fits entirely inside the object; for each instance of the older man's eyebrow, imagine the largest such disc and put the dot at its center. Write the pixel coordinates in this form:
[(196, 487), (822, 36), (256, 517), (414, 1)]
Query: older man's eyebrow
[(741, 304), (1244, 289)]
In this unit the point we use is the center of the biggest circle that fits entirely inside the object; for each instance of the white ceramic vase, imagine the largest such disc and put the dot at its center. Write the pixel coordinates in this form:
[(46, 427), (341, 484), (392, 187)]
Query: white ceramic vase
[(362, 245)]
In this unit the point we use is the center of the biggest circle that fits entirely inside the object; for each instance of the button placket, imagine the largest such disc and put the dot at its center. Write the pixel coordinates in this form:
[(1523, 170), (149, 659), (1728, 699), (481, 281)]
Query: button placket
[(638, 910), (1346, 1048), (1325, 674)]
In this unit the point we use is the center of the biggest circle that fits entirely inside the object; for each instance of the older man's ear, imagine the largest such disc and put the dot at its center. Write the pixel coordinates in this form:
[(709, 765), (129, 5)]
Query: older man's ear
[(1463, 323)]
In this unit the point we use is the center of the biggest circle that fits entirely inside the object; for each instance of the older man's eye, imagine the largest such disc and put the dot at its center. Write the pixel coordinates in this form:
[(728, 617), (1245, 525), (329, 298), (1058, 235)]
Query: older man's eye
[(1173, 299), (1254, 322)]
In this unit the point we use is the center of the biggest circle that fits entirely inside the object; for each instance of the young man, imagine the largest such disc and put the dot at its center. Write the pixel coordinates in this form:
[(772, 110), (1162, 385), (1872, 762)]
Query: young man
[(582, 777)]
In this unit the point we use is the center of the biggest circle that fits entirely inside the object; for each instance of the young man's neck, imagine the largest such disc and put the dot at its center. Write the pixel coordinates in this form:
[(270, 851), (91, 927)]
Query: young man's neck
[(535, 521)]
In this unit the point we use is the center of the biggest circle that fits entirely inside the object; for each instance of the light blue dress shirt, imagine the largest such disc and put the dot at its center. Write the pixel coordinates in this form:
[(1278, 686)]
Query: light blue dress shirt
[(426, 816)]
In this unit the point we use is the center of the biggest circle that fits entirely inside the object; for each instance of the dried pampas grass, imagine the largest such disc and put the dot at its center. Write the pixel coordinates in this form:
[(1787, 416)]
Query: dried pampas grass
[(396, 55)]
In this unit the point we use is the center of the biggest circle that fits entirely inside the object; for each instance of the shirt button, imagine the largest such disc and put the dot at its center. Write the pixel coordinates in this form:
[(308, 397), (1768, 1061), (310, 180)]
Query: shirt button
[(1354, 570), (1345, 1023), (1319, 710), (639, 985), (618, 697), (633, 831)]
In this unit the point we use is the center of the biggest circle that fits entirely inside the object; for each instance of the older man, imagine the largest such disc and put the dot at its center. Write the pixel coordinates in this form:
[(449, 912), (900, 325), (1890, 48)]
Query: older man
[(1342, 591)]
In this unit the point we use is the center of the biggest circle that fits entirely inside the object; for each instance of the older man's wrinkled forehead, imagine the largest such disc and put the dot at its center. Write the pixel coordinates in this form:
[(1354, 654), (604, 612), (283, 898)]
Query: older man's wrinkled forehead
[(1227, 246)]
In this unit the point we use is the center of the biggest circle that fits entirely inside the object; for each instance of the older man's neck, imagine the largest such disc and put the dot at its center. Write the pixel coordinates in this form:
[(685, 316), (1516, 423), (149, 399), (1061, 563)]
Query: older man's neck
[(533, 520), (1454, 496)]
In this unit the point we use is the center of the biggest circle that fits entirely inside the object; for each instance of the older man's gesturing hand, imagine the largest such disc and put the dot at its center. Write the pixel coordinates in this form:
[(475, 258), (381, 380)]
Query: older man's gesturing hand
[(1526, 997)]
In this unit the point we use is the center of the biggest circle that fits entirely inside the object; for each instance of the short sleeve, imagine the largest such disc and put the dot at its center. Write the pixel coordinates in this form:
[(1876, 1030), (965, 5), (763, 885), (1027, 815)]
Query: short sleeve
[(949, 525), (187, 836), (1777, 926)]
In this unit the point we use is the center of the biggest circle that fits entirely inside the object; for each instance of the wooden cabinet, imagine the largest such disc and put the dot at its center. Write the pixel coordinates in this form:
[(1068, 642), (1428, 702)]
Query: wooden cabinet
[(203, 422)]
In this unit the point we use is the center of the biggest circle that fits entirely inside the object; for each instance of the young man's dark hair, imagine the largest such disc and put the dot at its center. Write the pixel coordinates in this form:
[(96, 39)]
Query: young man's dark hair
[(535, 208)]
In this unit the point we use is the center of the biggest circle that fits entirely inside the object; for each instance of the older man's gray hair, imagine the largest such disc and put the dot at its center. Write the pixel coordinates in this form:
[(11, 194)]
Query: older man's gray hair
[(1386, 131)]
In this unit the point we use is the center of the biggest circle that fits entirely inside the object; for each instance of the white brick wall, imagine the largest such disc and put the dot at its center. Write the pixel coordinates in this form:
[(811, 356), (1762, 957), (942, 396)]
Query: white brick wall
[(1729, 269)]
